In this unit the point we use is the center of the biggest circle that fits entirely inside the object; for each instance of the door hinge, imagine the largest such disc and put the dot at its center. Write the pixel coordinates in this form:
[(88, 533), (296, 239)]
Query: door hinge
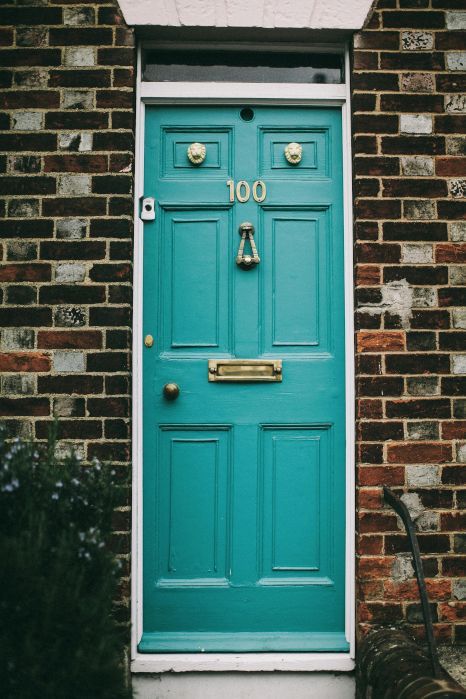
[(147, 209)]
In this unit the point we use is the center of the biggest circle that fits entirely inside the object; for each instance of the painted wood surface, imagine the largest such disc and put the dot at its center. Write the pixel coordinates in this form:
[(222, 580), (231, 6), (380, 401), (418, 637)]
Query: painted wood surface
[(244, 485)]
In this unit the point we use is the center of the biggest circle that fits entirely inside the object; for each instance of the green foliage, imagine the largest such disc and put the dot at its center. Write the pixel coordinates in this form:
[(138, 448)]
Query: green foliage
[(58, 638)]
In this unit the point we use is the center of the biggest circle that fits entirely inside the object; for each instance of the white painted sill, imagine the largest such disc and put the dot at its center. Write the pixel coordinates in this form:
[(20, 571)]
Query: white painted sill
[(242, 662)]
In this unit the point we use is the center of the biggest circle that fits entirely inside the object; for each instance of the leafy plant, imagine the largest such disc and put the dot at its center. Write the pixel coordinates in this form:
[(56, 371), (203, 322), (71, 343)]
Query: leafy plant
[(58, 637)]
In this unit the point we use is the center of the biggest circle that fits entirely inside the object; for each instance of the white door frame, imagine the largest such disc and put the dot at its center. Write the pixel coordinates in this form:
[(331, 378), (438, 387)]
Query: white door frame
[(242, 93)]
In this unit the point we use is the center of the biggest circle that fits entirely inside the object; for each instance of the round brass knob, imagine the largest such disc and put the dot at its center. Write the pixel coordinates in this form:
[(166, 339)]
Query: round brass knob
[(171, 391)]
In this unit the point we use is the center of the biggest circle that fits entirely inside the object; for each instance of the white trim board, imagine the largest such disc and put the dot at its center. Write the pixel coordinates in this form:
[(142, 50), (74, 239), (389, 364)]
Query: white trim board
[(261, 14), (215, 93)]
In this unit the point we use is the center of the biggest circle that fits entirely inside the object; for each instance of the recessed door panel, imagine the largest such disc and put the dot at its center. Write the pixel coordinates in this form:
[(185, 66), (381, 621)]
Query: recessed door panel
[(176, 142), (296, 505), (195, 284), (194, 506), (314, 162), (296, 272), (244, 393)]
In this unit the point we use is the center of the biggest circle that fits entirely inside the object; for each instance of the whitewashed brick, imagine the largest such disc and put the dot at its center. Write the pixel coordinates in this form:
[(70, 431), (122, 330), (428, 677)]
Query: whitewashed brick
[(461, 453), (457, 188), (71, 228), (23, 384), (458, 231), (424, 297), (74, 185), (25, 208), (413, 504), (78, 16), (416, 123), (75, 141), (402, 568), (70, 273), (31, 78), (68, 362), (417, 41), (459, 589), (78, 99), (417, 82), (458, 364), (456, 20), (28, 121), (79, 56), (423, 386), (459, 318), (417, 254), (63, 450), (428, 522), (456, 60), (455, 103), (456, 145), (417, 165), (458, 275), (419, 209), (17, 338), (65, 406), (420, 476)]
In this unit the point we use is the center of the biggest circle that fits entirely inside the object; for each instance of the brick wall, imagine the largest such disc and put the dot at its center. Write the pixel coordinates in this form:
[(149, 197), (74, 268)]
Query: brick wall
[(410, 187), (66, 139), (66, 144)]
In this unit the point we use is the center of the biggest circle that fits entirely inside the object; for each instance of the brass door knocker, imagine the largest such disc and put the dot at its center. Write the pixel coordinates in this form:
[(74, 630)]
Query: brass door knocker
[(246, 231)]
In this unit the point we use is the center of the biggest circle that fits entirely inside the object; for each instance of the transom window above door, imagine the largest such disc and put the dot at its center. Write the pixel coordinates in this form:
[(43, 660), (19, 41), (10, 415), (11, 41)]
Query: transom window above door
[(242, 65)]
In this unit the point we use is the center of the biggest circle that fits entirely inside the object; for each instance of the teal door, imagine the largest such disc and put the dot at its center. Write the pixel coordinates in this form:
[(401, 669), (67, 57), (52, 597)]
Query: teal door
[(244, 481)]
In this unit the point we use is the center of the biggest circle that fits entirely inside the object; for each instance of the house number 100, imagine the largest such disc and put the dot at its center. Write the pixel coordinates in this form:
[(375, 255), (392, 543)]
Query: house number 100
[(243, 191)]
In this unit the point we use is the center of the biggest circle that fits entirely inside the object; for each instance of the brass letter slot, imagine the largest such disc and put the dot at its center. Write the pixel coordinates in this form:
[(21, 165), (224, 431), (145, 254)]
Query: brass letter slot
[(245, 370)]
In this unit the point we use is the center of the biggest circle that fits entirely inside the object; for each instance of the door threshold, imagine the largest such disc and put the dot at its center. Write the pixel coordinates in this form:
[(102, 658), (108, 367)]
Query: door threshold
[(242, 662), (245, 642)]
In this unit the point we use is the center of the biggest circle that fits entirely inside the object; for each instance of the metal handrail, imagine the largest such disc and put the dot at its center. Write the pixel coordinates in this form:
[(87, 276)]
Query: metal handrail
[(400, 508)]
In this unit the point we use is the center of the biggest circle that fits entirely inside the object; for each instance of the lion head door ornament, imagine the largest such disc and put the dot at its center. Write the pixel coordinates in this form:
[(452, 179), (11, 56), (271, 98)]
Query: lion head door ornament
[(294, 153), (196, 153)]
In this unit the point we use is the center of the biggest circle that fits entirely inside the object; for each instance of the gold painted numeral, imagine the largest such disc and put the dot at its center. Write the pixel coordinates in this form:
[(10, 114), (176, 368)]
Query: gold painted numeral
[(231, 185), (242, 184), (243, 191), (263, 194)]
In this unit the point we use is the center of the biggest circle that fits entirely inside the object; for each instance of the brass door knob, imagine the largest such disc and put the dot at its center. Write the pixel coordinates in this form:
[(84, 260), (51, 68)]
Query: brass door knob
[(171, 391)]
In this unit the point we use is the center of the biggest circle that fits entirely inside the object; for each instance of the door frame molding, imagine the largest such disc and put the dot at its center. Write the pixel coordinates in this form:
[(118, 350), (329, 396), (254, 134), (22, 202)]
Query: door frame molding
[(148, 93)]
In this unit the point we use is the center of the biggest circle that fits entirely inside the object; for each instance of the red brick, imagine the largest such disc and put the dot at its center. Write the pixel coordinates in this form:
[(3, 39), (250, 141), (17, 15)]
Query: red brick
[(421, 452), (380, 341), (377, 522), (367, 275), (450, 167), (453, 611), (381, 475), (29, 272), (454, 430), (69, 339), (370, 545), (24, 361), (452, 252), (374, 568)]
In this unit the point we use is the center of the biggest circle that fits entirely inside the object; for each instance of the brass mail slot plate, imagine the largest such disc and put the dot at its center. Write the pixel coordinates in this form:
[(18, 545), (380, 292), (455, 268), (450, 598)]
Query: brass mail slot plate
[(245, 370)]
